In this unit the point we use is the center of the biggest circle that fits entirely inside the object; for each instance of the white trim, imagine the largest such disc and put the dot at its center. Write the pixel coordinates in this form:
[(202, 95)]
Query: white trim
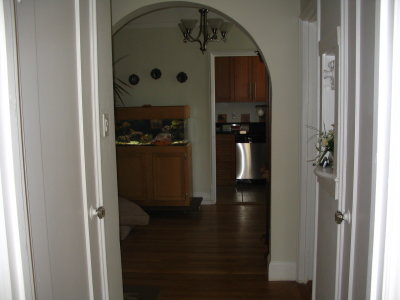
[(385, 267), (213, 196), (96, 133), (82, 146), (317, 185), (16, 262), (341, 154), (381, 136), (282, 271), (356, 148), (373, 240), (212, 56), (391, 272), (309, 76)]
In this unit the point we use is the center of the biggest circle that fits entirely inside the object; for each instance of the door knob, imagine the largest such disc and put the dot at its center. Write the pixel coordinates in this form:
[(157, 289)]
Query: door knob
[(339, 217), (100, 212)]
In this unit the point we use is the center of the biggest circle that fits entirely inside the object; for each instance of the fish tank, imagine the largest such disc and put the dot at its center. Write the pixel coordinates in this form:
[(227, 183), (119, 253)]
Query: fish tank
[(151, 132)]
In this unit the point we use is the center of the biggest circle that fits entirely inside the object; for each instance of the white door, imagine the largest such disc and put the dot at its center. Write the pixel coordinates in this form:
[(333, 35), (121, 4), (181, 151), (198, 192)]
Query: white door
[(75, 254), (335, 186)]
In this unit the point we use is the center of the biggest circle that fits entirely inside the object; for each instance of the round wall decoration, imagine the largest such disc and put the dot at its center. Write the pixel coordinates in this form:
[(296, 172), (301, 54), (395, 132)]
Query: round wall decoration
[(133, 79), (182, 77), (155, 73)]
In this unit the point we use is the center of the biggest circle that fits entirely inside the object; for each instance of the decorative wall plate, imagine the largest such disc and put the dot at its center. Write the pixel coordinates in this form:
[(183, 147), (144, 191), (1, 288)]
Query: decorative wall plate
[(182, 77), (133, 79), (155, 73)]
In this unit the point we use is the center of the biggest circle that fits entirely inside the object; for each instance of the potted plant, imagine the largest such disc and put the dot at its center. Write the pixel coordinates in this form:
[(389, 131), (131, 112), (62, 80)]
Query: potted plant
[(325, 147)]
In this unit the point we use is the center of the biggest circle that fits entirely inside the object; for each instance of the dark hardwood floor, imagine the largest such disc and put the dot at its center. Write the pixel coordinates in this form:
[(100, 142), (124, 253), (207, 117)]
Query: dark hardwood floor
[(216, 253)]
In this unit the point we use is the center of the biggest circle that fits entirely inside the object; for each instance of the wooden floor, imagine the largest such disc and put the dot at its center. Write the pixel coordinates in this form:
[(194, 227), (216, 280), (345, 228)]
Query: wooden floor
[(216, 253)]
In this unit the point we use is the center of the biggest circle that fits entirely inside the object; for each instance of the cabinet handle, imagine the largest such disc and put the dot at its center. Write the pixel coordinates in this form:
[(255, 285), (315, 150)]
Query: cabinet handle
[(255, 91), (250, 91)]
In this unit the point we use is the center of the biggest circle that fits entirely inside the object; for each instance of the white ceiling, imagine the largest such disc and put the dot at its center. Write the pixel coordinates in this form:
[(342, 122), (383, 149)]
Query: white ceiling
[(168, 17)]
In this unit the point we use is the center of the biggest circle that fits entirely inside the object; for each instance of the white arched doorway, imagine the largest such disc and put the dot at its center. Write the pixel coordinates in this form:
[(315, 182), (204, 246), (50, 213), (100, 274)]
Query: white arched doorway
[(274, 28)]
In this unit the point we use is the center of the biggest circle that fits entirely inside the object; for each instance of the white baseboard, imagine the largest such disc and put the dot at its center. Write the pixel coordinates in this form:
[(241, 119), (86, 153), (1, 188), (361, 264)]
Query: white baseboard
[(206, 198), (282, 271)]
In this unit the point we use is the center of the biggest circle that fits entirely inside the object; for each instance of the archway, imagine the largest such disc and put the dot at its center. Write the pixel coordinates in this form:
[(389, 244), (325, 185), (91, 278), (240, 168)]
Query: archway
[(277, 40)]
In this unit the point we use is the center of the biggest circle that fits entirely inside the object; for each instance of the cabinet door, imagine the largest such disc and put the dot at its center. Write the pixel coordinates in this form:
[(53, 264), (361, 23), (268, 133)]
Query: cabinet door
[(242, 78), (133, 174), (170, 178), (225, 159), (259, 80), (224, 87)]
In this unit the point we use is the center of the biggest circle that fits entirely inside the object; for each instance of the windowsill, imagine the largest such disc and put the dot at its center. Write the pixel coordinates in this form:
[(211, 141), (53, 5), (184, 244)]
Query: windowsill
[(325, 173)]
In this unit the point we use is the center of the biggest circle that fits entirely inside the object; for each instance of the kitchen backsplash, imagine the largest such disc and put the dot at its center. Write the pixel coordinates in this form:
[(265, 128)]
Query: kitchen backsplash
[(234, 111)]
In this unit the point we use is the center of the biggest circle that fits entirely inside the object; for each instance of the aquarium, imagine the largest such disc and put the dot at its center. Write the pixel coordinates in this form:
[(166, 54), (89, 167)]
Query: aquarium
[(151, 132)]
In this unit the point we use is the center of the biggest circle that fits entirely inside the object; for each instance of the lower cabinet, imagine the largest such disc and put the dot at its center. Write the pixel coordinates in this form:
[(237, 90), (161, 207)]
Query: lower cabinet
[(155, 175), (225, 159)]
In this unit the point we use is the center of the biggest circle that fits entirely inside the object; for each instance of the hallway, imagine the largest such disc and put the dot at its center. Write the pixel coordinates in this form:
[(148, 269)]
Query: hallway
[(216, 253)]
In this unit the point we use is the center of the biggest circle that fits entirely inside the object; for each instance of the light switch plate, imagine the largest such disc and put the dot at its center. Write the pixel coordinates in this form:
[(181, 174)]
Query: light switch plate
[(106, 124)]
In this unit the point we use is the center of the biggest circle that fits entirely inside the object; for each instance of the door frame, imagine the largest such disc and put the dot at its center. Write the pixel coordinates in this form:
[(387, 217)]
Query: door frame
[(16, 267), (212, 56), (309, 71), (384, 241)]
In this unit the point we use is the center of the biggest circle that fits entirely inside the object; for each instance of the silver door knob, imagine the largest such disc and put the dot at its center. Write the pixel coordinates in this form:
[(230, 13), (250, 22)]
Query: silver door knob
[(101, 212), (340, 217)]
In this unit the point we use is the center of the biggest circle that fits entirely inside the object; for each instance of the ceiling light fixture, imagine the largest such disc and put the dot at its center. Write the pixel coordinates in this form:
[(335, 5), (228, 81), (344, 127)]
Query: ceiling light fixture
[(208, 30)]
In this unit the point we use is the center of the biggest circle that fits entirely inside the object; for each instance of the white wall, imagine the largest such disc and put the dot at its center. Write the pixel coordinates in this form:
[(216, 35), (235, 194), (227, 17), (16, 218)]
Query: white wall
[(176, 56), (274, 26)]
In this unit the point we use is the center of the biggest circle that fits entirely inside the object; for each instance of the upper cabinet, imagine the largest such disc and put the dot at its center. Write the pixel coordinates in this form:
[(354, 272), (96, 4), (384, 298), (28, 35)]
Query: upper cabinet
[(242, 73), (260, 80), (224, 87), (240, 79)]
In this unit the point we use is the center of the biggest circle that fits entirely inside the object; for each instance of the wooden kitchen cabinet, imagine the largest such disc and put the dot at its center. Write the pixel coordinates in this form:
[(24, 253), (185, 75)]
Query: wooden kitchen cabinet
[(242, 69), (225, 159), (240, 79), (224, 87), (155, 175), (259, 79)]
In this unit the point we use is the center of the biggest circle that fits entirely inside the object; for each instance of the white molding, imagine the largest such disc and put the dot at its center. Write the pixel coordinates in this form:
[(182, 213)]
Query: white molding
[(206, 198), (16, 268), (356, 148), (344, 242), (303, 53), (84, 175), (308, 90), (317, 184), (383, 269), (213, 160), (96, 134), (282, 271), (212, 56)]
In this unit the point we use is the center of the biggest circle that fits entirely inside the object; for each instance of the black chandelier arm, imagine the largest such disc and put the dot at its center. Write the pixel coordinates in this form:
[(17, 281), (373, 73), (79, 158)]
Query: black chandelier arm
[(189, 38), (205, 34)]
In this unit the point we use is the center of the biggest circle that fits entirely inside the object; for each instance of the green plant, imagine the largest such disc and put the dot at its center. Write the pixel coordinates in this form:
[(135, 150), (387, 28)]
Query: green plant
[(119, 86), (325, 146)]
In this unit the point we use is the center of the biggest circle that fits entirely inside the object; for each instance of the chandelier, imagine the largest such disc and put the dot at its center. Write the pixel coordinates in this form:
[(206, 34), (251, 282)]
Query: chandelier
[(208, 30)]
